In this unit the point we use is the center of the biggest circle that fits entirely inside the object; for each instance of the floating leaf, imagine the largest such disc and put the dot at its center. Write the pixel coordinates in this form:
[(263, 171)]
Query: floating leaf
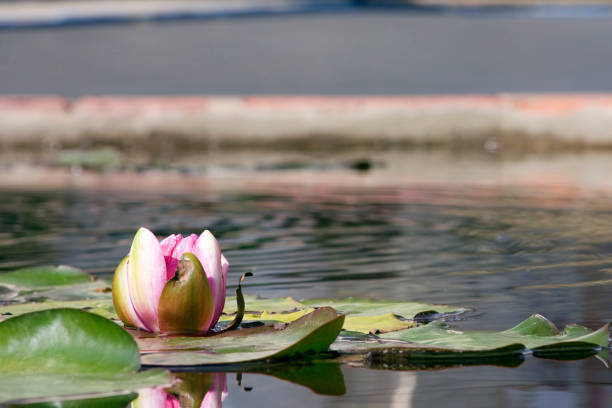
[(68, 352), (376, 324), (256, 305), (101, 307), (45, 276), (534, 332), (312, 333), (374, 307), (435, 343), (363, 315), (271, 317)]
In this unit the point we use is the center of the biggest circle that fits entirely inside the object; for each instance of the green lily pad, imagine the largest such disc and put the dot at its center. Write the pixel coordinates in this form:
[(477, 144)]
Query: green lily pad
[(435, 342), (310, 334), (374, 307), (101, 307), (255, 305), (376, 323), (49, 283), (534, 332), (45, 276), (363, 315), (68, 352)]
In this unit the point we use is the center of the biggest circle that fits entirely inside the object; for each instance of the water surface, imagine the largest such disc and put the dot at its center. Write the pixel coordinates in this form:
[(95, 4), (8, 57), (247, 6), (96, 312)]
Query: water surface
[(504, 252)]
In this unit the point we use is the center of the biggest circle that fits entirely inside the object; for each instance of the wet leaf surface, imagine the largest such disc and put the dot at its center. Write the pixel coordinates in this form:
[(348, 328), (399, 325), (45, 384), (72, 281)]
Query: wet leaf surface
[(68, 352), (363, 315), (436, 344), (257, 304), (373, 307), (532, 333), (45, 276), (102, 307), (310, 334)]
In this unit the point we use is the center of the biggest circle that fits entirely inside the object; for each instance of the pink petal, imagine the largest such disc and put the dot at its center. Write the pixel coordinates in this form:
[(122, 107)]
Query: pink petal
[(217, 392), (167, 246), (172, 402), (209, 253), (152, 398), (182, 245), (146, 276), (186, 245)]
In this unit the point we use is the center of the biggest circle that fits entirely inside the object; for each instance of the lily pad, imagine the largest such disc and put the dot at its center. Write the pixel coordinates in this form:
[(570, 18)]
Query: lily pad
[(310, 334), (67, 352), (257, 305), (375, 307), (534, 332), (363, 315), (101, 307), (270, 317), (45, 276), (435, 342), (376, 324)]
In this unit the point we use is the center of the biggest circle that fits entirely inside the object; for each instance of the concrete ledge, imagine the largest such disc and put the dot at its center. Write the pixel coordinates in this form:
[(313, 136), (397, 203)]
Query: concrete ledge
[(525, 121)]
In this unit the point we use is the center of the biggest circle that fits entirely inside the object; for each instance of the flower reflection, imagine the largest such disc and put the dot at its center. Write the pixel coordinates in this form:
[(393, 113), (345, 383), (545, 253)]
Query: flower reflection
[(191, 390)]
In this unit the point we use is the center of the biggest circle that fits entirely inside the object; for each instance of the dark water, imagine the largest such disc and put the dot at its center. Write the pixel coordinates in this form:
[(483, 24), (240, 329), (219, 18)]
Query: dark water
[(506, 253)]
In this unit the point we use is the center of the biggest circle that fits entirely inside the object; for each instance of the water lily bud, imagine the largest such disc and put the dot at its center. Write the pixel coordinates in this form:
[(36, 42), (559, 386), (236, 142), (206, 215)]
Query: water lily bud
[(176, 285)]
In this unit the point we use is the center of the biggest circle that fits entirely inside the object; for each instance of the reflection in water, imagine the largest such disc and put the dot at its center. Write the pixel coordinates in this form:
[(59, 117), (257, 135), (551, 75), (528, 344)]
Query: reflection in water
[(402, 396), (191, 390)]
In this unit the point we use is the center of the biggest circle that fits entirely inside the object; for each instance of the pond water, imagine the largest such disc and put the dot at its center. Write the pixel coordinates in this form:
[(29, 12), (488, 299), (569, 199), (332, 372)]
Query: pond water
[(506, 253)]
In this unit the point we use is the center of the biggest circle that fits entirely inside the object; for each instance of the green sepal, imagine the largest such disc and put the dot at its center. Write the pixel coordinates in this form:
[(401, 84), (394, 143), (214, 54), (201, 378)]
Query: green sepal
[(121, 296), (186, 305)]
